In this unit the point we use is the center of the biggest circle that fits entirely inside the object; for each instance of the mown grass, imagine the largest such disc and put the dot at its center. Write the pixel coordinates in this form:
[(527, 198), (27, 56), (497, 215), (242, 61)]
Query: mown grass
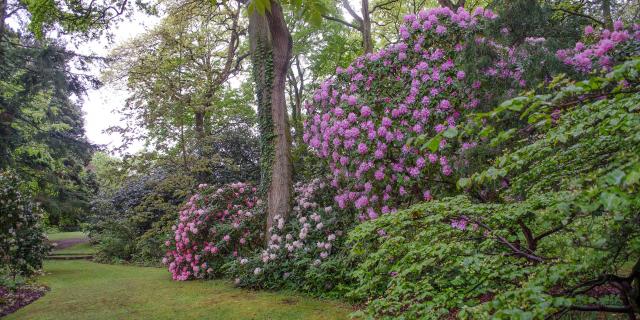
[(66, 235), (87, 290), (82, 248)]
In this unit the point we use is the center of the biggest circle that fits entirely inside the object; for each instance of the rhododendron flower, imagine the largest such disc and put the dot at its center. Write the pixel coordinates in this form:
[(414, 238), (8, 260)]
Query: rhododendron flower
[(588, 30), (372, 214), (195, 234), (416, 87), (460, 224)]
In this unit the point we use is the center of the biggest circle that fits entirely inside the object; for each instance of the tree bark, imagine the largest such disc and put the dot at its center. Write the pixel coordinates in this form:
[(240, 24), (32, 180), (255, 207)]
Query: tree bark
[(199, 126), (270, 42), (280, 190), (367, 41), (606, 14), (3, 16)]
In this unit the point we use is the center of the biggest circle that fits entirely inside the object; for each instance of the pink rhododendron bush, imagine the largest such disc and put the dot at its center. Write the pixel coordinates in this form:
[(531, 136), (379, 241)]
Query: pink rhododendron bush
[(216, 225), (604, 48), (387, 122), (306, 251)]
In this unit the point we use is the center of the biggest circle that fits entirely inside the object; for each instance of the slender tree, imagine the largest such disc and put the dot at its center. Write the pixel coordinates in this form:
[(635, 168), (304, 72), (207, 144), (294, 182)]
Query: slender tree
[(361, 24)]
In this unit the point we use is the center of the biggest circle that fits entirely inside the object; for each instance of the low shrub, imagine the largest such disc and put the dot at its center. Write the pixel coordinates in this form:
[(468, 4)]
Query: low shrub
[(306, 251), (216, 225), (23, 244)]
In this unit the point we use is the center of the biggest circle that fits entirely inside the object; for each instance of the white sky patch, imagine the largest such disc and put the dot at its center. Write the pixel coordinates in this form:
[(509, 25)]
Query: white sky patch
[(101, 105)]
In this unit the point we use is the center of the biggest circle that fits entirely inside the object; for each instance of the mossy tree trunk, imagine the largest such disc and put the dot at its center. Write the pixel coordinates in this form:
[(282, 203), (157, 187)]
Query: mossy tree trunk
[(3, 16), (271, 51)]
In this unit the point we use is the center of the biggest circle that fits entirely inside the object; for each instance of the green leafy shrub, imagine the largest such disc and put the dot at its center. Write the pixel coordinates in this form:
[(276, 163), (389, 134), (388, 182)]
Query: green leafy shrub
[(132, 222), (23, 244), (549, 227)]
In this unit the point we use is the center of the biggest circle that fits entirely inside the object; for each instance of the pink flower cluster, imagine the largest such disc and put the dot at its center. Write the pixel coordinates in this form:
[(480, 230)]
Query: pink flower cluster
[(364, 119), (599, 53), (213, 225)]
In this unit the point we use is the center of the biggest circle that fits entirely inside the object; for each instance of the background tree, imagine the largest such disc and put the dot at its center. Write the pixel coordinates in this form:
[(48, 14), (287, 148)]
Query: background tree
[(42, 127)]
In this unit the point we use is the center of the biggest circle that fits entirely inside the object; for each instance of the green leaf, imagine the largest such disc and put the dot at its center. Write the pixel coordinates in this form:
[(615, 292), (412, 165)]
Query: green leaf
[(464, 183), (632, 178), (452, 132), (614, 177), (433, 144)]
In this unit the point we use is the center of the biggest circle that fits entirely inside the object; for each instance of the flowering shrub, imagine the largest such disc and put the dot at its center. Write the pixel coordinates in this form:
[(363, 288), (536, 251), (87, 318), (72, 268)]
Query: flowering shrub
[(603, 49), (306, 250), (214, 226), (562, 235), (385, 123), (22, 239)]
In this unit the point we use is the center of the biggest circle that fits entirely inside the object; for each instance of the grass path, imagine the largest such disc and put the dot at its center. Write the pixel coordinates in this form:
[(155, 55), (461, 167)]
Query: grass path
[(66, 235), (87, 290)]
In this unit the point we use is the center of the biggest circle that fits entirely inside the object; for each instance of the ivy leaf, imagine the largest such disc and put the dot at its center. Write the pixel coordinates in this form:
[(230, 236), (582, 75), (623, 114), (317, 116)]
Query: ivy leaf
[(515, 104), (610, 201)]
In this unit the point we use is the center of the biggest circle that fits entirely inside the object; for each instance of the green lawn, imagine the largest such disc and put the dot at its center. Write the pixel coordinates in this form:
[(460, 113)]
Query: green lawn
[(66, 235), (82, 248), (86, 290)]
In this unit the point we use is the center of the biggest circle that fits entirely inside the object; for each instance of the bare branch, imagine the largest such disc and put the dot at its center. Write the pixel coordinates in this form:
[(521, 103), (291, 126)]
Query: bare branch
[(513, 247), (353, 14), (382, 5), (338, 20), (580, 15)]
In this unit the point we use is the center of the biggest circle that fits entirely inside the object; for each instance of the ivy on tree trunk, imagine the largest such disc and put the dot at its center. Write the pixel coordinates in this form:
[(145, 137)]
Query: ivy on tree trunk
[(271, 52)]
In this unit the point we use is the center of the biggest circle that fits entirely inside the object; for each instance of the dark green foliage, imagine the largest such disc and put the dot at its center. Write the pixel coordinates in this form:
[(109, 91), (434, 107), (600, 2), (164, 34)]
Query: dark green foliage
[(554, 226), (41, 126), (131, 218), (128, 223), (23, 244)]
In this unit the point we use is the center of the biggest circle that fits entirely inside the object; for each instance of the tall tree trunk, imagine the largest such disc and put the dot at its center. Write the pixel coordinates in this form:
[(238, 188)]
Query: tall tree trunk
[(280, 190), (367, 41), (606, 14), (363, 24), (271, 52), (199, 126), (3, 16)]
